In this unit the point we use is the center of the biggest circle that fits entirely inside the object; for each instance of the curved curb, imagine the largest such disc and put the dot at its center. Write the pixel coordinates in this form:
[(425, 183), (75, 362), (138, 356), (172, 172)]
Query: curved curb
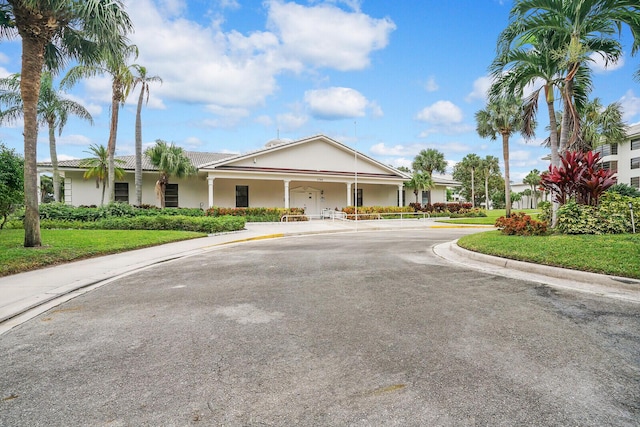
[(600, 284)]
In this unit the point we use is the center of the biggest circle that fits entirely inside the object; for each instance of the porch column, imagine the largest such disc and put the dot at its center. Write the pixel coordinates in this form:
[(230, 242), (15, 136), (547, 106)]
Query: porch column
[(400, 191), (286, 193), (348, 194), (210, 182), (38, 187)]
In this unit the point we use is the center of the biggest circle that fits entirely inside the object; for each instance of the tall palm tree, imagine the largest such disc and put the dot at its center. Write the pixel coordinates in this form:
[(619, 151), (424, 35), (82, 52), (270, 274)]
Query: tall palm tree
[(504, 117), (98, 167), (429, 161), (489, 166), (121, 84), (52, 32), (533, 181), (580, 28), (143, 80), (171, 162), (53, 111), (419, 182)]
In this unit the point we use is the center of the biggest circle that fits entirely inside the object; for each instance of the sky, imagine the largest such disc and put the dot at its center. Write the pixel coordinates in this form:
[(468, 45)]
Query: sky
[(388, 78)]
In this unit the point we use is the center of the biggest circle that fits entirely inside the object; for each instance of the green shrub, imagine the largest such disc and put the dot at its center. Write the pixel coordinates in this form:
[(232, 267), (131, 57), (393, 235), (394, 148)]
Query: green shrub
[(521, 224), (208, 225), (545, 211), (574, 218), (155, 211)]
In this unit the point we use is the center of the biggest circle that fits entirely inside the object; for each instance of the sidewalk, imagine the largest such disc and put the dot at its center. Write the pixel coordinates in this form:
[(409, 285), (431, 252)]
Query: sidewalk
[(26, 295)]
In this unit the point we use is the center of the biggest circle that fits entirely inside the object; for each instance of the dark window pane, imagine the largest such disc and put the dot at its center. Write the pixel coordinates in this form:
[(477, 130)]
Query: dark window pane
[(121, 191), (171, 196), (242, 196)]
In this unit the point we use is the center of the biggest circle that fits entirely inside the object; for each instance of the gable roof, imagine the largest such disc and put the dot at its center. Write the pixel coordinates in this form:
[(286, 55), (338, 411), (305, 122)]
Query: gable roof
[(281, 145), (197, 158)]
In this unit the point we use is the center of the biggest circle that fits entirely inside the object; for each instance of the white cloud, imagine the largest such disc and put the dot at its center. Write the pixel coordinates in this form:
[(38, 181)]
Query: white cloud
[(630, 106), (61, 157), (264, 120), (336, 103), (431, 85), (396, 162), (227, 117), (599, 65), (441, 113), (480, 88), (79, 140), (381, 149), (291, 121), (327, 36)]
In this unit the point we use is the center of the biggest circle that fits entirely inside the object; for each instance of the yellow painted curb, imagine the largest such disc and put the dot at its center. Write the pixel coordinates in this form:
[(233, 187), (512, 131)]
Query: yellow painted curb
[(248, 239)]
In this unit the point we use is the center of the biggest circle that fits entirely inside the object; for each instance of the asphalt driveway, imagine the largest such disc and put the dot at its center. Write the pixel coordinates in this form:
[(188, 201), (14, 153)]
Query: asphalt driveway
[(348, 329)]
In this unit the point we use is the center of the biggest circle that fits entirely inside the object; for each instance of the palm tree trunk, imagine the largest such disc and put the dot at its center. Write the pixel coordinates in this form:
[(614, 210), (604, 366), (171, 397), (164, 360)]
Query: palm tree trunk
[(507, 179), (486, 190), (138, 173), (473, 190), (54, 160), (32, 61), (111, 148), (553, 124)]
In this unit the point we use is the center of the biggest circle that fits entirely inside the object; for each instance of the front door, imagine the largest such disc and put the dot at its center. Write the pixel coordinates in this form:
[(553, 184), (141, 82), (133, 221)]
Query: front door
[(307, 200)]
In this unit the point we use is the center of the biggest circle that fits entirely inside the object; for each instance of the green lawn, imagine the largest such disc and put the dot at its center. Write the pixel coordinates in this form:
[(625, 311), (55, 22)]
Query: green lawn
[(60, 246), (614, 254), (491, 217)]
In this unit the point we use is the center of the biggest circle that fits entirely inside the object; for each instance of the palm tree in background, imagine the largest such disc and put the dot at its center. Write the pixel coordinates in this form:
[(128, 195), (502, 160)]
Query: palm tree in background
[(53, 111), (419, 182), (171, 162), (429, 161), (601, 125), (52, 32), (533, 181), (98, 167), (143, 80), (489, 166), (121, 84), (504, 117)]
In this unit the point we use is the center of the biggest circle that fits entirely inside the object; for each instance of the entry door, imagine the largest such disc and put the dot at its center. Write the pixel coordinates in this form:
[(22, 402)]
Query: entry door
[(307, 200)]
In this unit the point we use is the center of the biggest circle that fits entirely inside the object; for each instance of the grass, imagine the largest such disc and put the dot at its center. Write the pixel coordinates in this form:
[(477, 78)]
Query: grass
[(613, 254), (59, 246), (491, 217)]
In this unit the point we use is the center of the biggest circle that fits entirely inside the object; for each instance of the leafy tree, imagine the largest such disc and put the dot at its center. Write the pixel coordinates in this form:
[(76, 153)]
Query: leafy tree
[(580, 28), (122, 81), (143, 80), (517, 197), (52, 32), (504, 117), (465, 172), (53, 111), (98, 167), (419, 181), (11, 182), (489, 166), (429, 161), (533, 181), (171, 162)]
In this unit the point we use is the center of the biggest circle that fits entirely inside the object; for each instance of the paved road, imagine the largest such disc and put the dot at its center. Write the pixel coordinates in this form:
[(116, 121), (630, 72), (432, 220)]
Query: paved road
[(350, 329)]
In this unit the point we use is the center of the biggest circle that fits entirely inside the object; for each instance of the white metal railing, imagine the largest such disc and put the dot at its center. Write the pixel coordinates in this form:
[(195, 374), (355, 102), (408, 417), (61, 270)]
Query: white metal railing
[(343, 216)]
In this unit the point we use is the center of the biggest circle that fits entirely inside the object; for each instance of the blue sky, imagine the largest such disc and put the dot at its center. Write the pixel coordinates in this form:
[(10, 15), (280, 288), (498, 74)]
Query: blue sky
[(387, 78)]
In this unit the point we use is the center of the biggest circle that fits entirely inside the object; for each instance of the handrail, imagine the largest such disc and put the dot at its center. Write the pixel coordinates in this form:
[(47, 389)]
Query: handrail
[(343, 216)]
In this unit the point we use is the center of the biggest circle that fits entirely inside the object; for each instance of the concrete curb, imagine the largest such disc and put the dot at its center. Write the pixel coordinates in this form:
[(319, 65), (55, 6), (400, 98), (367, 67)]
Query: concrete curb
[(557, 272)]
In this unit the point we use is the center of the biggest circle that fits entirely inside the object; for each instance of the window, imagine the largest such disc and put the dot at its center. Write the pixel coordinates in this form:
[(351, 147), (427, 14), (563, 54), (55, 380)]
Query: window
[(242, 196), (635, 163), (612, 166), (607, 150), (425, 198), (121, 190), (635, 144), (359, 198), (635, 182), (171, 196)]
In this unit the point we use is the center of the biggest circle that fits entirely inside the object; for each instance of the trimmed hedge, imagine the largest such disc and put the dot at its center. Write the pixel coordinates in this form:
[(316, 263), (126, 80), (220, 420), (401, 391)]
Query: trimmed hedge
[(61, 211), (177, 222)]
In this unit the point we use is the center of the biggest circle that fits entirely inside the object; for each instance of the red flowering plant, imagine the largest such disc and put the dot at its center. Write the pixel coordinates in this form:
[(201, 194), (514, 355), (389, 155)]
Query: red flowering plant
[(581, 177)]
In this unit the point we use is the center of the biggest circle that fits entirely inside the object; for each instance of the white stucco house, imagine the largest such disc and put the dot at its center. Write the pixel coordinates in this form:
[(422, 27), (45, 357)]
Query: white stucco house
[(624, 157), (314, 173)]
